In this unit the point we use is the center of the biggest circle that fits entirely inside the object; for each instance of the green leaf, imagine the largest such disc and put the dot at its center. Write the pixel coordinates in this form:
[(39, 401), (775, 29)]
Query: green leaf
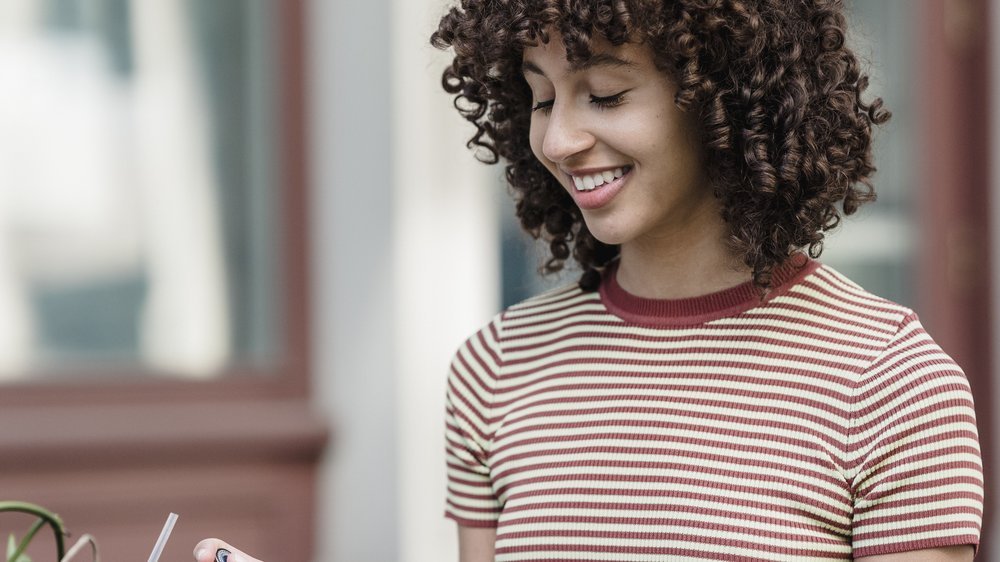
[(12, 550)]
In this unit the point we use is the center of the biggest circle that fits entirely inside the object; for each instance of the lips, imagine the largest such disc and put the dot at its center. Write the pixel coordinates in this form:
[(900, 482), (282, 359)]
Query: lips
[(594, 190)]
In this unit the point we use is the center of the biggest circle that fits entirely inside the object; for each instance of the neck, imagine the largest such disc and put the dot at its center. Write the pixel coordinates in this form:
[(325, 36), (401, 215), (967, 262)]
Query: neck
[(683, 265)]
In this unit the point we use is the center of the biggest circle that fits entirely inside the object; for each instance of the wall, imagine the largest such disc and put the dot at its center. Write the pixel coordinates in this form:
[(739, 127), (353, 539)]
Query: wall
[(405, 267), (353, 272)]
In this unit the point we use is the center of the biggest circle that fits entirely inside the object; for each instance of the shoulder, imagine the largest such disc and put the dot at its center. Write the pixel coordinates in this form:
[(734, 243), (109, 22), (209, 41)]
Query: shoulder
[(834, 312), (545, 308), (827, 300), (527, 316), (827, 290), (901, 352), (553, 301)]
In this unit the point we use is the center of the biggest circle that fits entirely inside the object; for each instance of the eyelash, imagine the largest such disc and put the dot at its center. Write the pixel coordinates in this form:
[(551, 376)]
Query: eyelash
[(605, 102)]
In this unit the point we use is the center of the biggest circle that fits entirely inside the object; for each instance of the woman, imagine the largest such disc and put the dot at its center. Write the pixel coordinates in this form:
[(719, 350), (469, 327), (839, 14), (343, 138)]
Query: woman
[(707, 390)]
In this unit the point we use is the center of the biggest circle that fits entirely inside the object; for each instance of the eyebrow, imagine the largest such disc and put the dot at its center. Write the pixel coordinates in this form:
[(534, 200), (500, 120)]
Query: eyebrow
[(598, 59)]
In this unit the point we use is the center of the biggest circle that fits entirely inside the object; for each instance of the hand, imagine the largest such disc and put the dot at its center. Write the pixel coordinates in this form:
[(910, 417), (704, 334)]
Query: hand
[(206, 549)]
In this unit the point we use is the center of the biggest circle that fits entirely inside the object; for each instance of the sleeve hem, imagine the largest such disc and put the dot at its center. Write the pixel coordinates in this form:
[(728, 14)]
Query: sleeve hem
[(464, 522), (940, 542)]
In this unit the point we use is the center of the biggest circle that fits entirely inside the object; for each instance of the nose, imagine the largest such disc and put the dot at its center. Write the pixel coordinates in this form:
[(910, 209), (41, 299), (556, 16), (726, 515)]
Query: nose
[(566, 134)]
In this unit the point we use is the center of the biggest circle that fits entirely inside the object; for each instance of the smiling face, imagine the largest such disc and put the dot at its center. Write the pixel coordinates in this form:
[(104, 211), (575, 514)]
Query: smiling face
[(609, 131)]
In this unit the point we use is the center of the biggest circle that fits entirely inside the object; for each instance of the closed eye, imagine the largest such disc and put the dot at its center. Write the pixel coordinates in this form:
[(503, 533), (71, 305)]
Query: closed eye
[(607, 102), (603, 102), (543, 105)]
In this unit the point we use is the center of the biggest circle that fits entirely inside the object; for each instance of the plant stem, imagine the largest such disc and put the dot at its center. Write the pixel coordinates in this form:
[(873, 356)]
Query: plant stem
[(45, 516)]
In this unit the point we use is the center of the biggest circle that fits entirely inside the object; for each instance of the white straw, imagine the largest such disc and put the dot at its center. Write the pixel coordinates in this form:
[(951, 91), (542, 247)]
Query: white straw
[(164, 535)]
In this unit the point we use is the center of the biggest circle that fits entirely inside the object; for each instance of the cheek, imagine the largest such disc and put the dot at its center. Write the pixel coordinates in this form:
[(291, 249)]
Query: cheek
[(673, 134)]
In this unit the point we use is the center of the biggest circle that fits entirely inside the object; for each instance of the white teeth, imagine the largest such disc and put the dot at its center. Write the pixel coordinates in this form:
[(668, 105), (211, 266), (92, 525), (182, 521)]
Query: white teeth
[(591, 182)]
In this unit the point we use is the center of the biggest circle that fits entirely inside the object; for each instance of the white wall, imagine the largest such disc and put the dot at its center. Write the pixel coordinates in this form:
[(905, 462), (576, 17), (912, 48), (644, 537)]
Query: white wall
[(349, 121), (406, 266)]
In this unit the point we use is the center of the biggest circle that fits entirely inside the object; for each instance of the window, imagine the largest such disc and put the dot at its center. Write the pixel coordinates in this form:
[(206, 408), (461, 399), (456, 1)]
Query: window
[(153, 271), (140, 221)]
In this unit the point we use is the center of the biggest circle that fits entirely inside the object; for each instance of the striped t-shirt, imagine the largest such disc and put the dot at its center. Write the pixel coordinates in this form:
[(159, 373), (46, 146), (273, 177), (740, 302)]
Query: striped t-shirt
[(820, 423)]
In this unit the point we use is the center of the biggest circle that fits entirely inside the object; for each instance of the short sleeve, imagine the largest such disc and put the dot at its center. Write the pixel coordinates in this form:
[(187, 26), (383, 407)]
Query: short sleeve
[(468, 419), (918, 475)]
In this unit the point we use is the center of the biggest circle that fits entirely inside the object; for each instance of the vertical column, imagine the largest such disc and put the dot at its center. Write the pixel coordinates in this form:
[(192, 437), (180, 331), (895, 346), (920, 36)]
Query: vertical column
[(954, 50), (993, 473)]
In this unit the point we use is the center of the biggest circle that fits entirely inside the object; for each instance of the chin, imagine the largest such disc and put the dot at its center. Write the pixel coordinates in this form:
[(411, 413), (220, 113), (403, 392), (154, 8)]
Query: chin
[(608, 234)]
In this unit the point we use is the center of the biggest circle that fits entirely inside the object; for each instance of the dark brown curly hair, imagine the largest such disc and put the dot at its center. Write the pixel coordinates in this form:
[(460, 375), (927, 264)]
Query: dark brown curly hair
[(777, 91)]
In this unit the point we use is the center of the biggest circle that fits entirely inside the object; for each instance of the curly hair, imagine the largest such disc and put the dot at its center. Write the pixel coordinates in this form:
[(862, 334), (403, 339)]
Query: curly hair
[(777, 92)]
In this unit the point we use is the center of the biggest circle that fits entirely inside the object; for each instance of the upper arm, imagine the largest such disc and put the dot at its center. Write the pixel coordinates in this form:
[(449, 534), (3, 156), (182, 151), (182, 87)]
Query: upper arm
[(471, 500), (947, 554), (916, 477), (476, 544)]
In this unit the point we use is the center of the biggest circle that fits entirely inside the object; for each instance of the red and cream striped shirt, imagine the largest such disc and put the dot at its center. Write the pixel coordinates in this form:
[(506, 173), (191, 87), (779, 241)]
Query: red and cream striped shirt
[(821, 423)]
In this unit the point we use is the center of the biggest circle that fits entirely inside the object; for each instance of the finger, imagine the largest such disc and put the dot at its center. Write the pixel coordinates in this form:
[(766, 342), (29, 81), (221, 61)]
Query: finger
[(208, 550)]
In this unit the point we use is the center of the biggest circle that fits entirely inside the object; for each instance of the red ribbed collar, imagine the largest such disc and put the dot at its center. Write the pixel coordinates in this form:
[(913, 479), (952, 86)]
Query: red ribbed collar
[(697, 310)]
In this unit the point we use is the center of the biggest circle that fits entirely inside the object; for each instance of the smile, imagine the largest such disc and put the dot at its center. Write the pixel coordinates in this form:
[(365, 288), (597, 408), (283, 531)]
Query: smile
[(593, 181), (596, 190)]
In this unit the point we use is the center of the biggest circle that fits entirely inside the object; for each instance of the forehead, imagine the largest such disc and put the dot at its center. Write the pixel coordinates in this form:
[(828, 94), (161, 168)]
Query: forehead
[(603, 54), (607, 60)]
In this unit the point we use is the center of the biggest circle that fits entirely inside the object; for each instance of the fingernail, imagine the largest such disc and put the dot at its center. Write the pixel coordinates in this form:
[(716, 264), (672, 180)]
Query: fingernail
[(221, 555)]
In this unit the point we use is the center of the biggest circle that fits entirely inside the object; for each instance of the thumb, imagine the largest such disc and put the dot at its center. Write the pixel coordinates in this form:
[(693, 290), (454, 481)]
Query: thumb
[(215, 550)]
